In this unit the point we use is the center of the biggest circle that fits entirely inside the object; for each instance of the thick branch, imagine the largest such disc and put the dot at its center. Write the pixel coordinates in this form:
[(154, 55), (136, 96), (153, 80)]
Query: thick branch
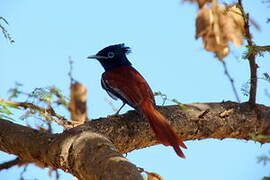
[(194, 121), (253, 79), (88, 155)]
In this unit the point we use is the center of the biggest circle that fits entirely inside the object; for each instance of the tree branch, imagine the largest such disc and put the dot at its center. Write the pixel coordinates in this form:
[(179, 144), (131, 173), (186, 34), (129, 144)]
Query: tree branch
[(222, 120), (87, 155), (11, 163), (231, 80), (86, 152), (251, 57), (61, 120)]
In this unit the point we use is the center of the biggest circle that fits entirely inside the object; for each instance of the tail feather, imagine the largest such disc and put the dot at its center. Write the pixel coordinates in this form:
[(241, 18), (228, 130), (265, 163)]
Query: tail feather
[(162, 129)]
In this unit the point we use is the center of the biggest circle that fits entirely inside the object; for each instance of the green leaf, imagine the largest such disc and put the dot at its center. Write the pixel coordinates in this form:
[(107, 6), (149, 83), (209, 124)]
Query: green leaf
[(14, 92), (5, 110), (42, 94)]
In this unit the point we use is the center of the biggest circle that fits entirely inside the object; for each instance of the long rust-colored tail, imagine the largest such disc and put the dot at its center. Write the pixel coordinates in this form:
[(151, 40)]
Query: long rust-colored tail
[(161, 127)]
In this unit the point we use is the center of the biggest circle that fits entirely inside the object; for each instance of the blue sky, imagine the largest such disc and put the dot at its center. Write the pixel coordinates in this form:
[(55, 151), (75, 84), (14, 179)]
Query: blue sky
[(164, 50)]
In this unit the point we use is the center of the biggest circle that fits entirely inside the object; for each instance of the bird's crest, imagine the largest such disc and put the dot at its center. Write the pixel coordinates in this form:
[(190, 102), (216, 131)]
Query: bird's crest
[(125, 49)]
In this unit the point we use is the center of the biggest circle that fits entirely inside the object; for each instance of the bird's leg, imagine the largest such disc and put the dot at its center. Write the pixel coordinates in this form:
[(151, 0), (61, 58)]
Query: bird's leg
[(117, 113)]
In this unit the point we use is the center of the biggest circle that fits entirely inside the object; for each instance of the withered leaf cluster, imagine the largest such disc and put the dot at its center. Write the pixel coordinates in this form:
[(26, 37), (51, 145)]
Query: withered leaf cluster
[(218, 25), (200, 3)]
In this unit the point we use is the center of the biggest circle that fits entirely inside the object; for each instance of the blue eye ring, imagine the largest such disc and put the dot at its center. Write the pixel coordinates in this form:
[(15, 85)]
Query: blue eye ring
[(110, 55)]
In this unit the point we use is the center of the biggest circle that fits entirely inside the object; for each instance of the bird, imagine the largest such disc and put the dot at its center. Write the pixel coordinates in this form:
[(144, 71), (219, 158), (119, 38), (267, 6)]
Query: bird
[(122, 81)]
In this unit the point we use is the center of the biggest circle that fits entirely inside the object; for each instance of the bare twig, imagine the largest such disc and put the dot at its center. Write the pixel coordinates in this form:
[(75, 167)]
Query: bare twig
[(14, 162), (22, 173), (4, 31), (252, 58), (70, 61), (231, 80), (2, 18), (56, 171), (57, 175)]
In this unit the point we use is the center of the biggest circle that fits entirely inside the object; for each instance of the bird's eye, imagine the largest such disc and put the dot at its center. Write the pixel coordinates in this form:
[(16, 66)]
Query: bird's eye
[(110, 55)]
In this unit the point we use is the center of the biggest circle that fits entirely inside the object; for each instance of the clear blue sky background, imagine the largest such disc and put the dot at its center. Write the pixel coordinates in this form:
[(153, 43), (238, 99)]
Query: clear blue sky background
[(161, 34)]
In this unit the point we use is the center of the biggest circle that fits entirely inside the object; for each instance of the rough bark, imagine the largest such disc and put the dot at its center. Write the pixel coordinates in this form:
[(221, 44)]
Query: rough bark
[(90, 151), (85, 154), (192, 121)]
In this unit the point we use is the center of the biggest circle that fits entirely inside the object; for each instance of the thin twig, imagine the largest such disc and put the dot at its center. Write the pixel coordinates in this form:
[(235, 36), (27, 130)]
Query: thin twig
[(4, 31), (252, 58), (22, 173), (231, 80), (258, 49), (61, 120), (70, 61), (11, 163), (57, 175), (2, 18)]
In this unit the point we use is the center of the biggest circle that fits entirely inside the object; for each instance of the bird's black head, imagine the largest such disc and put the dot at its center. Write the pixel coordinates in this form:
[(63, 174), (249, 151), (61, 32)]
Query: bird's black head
[(113, 56)]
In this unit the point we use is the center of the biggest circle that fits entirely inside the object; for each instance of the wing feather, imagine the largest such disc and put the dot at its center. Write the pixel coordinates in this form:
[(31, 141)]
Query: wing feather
[(128, 85)]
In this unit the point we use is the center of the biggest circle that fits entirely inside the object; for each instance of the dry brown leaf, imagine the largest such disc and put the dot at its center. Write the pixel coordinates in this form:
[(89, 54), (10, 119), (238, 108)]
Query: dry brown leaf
[(153, 176), (200, 3), (219, 25), (204, 21), (234, 27)]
